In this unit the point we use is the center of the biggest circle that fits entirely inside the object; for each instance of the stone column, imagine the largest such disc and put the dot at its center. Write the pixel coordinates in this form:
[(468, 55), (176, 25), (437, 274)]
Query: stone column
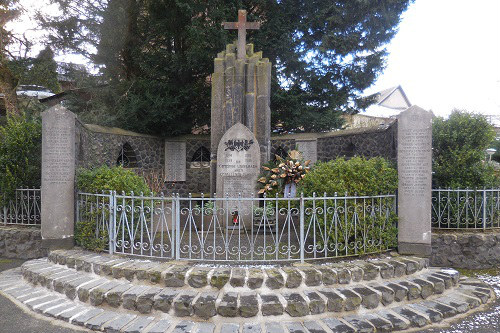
[(58, 178), (415, 181)]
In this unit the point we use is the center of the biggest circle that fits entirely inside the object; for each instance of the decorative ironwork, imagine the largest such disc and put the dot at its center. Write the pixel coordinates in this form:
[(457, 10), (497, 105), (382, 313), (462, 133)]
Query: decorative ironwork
[(242, 229), (23, 209), (465, 209)]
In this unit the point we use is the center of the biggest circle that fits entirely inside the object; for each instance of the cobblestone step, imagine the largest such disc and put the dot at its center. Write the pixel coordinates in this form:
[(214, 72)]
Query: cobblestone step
[(179, 274), (469, 294), (241, 301)]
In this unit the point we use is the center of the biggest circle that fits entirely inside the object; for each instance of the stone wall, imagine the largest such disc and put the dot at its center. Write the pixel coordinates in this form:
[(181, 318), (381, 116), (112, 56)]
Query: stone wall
[(21, 243), (478, 250), (367, 142), (98, 145)]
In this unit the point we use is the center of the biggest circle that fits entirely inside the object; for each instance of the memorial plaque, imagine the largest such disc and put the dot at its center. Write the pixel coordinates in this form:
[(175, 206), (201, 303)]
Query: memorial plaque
[(58, 176), (309, 149), (238, 166), (175, 161), (415, 181)]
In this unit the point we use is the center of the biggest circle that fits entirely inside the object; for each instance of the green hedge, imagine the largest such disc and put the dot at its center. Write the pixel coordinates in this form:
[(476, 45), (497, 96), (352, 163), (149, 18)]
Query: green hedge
[(107, 178), (357, 175)]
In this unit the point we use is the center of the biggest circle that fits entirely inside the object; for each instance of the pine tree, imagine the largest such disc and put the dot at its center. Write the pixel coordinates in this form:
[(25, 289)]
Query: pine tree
[(157, 56)]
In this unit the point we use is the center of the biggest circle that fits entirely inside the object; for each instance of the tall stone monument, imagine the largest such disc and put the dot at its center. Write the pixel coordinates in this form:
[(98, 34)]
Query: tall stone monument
[(241, 94), (58, 177), (415, 181)]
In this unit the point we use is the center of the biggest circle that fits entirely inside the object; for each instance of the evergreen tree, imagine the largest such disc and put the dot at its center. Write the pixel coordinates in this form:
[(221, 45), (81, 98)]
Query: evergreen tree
[(157, 56)]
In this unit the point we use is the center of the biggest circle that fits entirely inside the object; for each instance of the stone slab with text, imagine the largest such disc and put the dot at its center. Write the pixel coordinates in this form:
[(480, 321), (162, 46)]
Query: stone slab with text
[(415, 181), (58, 177), (175, 161), (238, 166), (309, 149)]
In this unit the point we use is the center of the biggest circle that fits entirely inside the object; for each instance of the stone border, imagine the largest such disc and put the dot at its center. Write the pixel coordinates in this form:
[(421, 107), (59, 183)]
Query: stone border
[(181, 273), (469, 250), (21, 242), (470, 294)]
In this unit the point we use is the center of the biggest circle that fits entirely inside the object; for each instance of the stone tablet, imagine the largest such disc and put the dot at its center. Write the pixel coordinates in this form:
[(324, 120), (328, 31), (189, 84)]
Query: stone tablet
[(175, 161), (238, 166), (58, 177), (309, 149), (415, 181), (238, 162)]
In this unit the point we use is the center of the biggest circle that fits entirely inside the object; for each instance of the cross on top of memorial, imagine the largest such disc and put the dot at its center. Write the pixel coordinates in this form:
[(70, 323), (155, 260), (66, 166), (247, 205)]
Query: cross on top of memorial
[(242, 25)]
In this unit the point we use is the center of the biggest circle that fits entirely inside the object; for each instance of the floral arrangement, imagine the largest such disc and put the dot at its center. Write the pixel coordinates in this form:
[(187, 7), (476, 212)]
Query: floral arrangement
[(285, 171)]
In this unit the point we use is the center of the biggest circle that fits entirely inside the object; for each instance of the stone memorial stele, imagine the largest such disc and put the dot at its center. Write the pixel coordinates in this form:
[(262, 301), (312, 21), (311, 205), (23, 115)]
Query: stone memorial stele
[(238, 166), (241, 94), (58, 177), (175, 161), (415, 181), (308, 149)]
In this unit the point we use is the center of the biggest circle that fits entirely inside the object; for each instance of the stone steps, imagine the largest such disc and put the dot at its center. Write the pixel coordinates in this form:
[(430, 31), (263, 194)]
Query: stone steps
[(467, 295), (178, 274), (229, 301)]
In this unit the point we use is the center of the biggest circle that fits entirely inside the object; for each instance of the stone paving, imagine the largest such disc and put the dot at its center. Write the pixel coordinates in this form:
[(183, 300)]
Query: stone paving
[(114, 294)]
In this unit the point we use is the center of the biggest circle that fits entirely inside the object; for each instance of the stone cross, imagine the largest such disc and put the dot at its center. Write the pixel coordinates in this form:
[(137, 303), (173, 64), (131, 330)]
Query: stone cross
[(242, 25)]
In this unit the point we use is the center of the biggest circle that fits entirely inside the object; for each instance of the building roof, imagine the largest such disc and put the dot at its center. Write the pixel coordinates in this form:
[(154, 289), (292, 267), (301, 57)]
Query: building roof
[(388, 103)]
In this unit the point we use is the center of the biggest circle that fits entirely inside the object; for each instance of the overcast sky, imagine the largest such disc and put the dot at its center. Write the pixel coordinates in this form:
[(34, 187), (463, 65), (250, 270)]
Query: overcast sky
[(446, 55)]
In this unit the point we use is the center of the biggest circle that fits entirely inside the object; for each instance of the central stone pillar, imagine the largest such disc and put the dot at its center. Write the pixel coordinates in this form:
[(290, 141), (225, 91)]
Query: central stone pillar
[(241, 93)]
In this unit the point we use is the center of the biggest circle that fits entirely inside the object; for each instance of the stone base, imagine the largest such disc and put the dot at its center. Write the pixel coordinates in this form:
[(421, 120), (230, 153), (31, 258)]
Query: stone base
[(416, 249), (57, 244)]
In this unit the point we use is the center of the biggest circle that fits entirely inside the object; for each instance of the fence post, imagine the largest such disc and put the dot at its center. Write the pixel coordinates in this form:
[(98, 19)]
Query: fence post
[(112, 221), (484, 208), (177, 228), (5, 215), (302, 225)]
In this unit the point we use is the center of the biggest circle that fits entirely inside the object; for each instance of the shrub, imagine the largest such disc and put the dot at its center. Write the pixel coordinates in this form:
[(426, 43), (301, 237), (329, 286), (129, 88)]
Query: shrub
[(354, 176), (459, 144), (116, 179), (20, 155), (362, 227), (88, 234)]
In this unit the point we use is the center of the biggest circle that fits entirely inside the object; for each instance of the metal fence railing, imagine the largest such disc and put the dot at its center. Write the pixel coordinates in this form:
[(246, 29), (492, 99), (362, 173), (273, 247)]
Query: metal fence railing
[(240, 229), (22, 209), (465, 209)]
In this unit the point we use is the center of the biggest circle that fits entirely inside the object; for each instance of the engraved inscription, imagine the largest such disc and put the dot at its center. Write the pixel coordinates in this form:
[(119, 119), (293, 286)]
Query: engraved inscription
[(414, 165), (175, 161), (58, 154), (309, 149)]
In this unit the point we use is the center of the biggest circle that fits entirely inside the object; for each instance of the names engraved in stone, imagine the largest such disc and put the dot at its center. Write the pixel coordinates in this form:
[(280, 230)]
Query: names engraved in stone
[(414, 165), (58, 154), (309, 149), (175, 161)]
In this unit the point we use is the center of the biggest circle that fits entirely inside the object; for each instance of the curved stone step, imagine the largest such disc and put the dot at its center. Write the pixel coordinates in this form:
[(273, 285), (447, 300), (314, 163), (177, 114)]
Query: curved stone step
[(241, 301), (180, 273), (469, 294)]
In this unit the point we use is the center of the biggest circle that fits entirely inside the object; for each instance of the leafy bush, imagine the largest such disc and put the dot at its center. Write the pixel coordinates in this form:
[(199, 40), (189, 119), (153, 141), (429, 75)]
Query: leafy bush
[(116, 179), (88, 234), (459, 144), (354, 176), (361, 227), (20, 155)]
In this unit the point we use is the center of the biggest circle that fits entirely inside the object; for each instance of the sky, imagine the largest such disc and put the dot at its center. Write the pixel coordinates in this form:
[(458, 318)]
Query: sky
[(446, 54)]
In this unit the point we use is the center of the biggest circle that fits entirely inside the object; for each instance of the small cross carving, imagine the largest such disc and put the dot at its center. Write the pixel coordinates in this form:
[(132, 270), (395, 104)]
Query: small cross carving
[(242, 25)]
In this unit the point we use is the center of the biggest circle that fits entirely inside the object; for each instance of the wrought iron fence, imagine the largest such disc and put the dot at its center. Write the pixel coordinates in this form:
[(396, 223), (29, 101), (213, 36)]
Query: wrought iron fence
[(465, 209), (23, 208), (241, 229)]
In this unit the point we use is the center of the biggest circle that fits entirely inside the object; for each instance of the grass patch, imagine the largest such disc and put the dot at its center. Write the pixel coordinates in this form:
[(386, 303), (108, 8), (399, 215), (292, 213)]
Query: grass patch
[(5, 261), (477, 272)]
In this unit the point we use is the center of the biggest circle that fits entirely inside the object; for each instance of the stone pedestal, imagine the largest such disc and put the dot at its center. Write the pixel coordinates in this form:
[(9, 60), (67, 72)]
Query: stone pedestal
[(241, 93), (58, 178), (415, 181)]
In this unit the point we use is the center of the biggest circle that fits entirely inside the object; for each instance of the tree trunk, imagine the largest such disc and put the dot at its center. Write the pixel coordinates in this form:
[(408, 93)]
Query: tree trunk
[(8, 85)]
